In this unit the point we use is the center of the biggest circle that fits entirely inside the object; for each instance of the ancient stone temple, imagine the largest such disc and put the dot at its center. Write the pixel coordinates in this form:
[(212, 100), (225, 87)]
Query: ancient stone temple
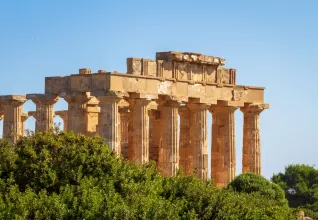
[(156, 111)]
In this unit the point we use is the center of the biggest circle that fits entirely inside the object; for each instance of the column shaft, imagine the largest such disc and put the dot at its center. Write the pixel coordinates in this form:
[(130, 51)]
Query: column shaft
[(64, 116), (251, 138), (140, 123), (154, 134), (24, 117), (168, 161), (124, 122), (77, 112), (12, 123), (109, 122), (198, 139), (223, 145), (186, 157)]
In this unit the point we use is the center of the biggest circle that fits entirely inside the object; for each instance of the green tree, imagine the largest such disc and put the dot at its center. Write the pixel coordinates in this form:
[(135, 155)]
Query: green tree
[(253, 183), (300, 183), (64, 176)]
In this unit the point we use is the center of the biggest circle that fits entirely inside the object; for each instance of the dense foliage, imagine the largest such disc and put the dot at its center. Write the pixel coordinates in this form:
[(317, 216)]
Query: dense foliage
[(253, 183), (63, 176), (300, 183)]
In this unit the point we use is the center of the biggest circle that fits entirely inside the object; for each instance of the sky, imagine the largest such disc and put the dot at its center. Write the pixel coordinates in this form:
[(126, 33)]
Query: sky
[(271, 43)]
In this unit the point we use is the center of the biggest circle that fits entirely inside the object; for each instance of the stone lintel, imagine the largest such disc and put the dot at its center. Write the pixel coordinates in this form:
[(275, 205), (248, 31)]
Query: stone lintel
[(46, 99), (110, 94), (224, 103), (173, 98), (84, 71), (146, 96), (32, 114), (202, 100), (190, 57), (62, 113)]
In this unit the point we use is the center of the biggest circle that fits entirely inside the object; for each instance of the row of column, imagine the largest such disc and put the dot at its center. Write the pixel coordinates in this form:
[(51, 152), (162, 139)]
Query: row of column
[(139, 134)]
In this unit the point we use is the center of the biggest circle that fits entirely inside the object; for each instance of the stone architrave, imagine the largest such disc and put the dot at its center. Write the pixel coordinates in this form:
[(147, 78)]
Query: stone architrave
[(77, 103), (251, 160), (186, 157), (12, 124), (44, 111), (64, 116), (24, 117), (154, 134), (109, 119), (124, 122), (168, 161), (223, 156), (199, 139)]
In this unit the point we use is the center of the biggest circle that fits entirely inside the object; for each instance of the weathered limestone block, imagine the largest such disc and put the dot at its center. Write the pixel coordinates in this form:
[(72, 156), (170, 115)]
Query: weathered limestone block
[(64, 116), (84, 71), (12, 124), (168, 162), (44, 110), (199, 139), (124, 122), (251, 138), (223, 159), (77, 103), (185, 150), (154, 134)]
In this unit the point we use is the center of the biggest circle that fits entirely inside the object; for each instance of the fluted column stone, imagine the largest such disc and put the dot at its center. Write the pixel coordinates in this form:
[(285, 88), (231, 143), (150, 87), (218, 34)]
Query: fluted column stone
[(24, 117), (12, 124), (109, 118), (251, 160), (44, 111), (140, 123), (154, 134), (185, 151), (92, 113), (124, 122), (199, 139), (223, 151), (168, 161), (77, 103)]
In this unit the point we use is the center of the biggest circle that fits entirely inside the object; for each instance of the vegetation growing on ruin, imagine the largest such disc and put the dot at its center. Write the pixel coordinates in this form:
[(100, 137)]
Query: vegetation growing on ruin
[(63, 176)]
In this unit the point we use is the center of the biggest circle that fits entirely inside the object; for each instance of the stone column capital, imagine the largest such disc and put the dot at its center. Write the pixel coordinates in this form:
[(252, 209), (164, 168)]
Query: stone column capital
[(198, 106), (254, 108), (24, 116), (80, 98), (214, 109), (13, 100), (183, 110), (43, 99)]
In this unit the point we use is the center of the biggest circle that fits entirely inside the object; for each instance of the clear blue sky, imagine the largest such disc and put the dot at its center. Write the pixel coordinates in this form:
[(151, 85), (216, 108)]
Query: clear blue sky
[(271, 43)]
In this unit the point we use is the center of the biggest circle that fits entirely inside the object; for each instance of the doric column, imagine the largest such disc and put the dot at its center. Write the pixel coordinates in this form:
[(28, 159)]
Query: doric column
[(251, 138), (92, 112), (154, 134), (199, 139), (186, 157), (24, 117), (109, 119), (140, 123), (44, 111), (12, 116), (124, 122), (77, 103), (168, 162), (64, 116), (223, 157)]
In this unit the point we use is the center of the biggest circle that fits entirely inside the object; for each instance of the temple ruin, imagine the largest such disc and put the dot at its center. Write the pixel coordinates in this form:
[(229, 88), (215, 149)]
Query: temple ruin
[(156, 111)]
